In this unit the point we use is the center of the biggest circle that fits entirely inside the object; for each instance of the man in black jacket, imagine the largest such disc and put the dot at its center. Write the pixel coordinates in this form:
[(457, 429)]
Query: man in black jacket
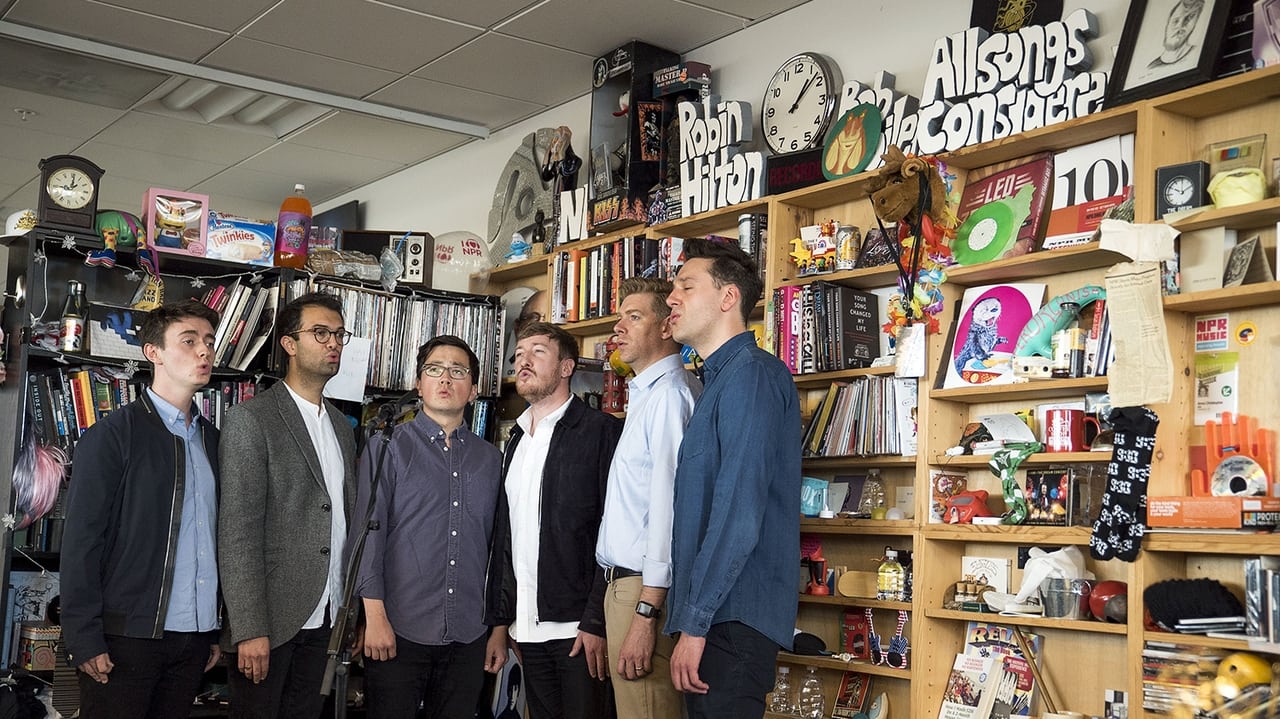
[(544, 581), (140, 607)]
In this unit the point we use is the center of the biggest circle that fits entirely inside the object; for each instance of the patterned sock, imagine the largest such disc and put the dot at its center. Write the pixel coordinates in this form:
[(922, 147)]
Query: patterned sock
[(1117, 533)]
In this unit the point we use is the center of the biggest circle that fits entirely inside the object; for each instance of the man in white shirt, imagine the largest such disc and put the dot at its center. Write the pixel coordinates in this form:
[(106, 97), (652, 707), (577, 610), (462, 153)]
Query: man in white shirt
[(634, 548), (288, 491), (543, 581)]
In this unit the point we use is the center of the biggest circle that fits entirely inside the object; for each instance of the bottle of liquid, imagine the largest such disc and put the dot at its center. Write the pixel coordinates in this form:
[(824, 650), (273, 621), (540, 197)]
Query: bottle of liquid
[(811, 705), (292, 229), (1068, 345), (890, 578), (780, 697), (873, 501), (71, 335)]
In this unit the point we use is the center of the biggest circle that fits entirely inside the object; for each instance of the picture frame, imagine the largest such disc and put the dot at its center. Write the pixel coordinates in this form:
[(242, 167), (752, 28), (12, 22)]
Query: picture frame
[(1166, 45)]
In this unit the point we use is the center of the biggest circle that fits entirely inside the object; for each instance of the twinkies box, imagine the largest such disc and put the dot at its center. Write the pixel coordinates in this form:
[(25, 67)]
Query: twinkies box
[(1213, 512), (238, 239)]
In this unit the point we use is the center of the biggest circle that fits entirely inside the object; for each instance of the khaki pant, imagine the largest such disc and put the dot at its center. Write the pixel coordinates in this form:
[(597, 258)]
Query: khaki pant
[(652, 696)]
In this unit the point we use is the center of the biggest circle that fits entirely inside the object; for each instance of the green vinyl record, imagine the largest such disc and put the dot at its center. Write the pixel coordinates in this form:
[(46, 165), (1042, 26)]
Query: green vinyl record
[(991, 230)]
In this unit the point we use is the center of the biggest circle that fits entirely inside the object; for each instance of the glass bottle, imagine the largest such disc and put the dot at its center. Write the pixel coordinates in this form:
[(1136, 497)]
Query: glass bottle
[(1068, 345), (780, 698), (890, 578), (71, 335), (812, 705), (873, 496)]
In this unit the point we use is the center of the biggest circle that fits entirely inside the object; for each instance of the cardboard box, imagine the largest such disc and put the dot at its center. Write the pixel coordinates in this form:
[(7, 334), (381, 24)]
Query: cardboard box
[(1213, 512), (692, 77), (176, 221), (38, 646), (238, 239)]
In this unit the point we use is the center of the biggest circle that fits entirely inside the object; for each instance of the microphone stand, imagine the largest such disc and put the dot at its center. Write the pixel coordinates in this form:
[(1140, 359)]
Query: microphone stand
[(345, 625)]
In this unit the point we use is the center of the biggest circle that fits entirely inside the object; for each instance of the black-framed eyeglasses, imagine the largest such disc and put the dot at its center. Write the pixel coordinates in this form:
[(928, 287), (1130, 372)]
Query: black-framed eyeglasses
[(438, 370), (322, 334)]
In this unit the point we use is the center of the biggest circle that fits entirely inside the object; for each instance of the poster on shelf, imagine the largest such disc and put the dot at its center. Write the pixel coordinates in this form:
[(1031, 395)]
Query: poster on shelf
[(990, 319), (1217, 385)]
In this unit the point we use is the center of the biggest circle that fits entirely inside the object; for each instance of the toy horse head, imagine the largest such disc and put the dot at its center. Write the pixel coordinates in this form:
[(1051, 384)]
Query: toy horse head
[(896, 192)]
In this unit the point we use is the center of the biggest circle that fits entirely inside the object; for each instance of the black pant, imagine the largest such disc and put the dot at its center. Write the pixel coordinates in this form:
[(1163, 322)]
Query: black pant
[(152, 678), (737, 665), (558, 685), (447, 677), (295, 671)]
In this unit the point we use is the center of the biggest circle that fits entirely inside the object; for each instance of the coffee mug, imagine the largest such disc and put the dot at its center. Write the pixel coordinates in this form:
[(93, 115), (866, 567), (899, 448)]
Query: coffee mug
[(1064, 430)]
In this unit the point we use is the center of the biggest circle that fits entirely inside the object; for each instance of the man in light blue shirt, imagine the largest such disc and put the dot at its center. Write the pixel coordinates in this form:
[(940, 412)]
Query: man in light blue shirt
[(139, 565), (736, 532), (634, 547)]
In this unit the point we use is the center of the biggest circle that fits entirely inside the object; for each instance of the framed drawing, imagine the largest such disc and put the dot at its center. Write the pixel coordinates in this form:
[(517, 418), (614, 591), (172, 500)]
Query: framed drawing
[(1167, 45)]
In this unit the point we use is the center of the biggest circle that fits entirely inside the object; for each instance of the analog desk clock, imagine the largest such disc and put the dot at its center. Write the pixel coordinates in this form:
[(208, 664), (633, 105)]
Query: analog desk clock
[(1181, 187), (799, 103), (69, 192)]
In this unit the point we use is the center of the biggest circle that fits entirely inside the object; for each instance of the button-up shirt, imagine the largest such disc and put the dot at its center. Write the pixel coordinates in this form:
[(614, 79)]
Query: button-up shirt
[(193, 598), (325, 441), (736, 539), (636, 530), (524, 496), (435, 507)]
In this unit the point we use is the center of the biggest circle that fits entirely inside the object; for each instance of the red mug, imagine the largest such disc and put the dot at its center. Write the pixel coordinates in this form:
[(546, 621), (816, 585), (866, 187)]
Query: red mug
[(1064, 430)]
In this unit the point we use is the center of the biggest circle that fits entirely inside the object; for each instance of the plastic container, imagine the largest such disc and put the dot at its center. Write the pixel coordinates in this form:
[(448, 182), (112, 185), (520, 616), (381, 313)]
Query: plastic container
[(1068, 345), (890, 578), (292, 229), (780, 697), (811, 703)]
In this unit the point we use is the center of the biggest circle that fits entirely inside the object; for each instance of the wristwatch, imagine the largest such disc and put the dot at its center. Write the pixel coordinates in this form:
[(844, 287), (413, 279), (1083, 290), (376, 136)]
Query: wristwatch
[(647, 610)]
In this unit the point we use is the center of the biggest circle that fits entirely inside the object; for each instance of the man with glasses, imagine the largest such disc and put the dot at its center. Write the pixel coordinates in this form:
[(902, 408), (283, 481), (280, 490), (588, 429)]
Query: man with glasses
[(288, 492), (421, 576)]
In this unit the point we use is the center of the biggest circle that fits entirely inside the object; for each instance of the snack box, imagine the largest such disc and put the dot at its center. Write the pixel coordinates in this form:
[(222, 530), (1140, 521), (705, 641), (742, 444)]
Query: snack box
[(1213, 512), (238, 239)]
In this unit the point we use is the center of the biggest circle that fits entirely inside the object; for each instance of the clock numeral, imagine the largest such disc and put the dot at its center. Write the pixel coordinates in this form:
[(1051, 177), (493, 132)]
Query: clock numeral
[(777, 92), (769, 112), (799, 69), (808, 135), (773, 129), (794, 144), (817, 81)]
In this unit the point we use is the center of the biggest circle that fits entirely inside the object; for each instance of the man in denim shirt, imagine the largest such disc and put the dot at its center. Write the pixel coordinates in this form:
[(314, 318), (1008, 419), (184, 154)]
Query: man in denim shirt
[(736, 539)]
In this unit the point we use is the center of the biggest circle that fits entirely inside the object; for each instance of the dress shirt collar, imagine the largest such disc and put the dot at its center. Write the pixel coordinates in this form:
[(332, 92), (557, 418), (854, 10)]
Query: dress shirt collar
[(525, 420), (306, 406), (434, 430), (725, 353), (656, 371), (172, 416)]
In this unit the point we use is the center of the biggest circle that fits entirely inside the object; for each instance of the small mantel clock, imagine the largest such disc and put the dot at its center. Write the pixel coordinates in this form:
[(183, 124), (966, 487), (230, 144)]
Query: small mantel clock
[(69, 192)]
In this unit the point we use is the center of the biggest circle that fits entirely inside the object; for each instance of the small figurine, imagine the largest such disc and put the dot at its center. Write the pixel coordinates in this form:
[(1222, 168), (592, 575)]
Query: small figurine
[(824, 250), (520, 250), (801, 256)]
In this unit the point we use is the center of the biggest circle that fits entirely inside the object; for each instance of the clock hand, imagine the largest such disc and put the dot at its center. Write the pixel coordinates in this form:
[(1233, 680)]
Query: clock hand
[(796, 105)]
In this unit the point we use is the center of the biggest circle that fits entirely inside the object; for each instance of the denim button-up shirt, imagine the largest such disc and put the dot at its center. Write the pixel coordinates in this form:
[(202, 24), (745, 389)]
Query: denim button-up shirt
[(736, 539)]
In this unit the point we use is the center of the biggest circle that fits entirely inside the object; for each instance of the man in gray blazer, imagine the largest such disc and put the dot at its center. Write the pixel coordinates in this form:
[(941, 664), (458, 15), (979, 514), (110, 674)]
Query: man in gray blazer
[(288, 492)]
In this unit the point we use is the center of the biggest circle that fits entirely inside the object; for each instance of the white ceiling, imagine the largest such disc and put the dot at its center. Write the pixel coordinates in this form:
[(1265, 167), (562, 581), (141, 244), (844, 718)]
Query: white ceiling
[(243, 141)]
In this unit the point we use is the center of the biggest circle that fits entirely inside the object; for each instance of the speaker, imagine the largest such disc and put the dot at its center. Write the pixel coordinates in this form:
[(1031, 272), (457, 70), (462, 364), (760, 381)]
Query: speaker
[(414, 249)]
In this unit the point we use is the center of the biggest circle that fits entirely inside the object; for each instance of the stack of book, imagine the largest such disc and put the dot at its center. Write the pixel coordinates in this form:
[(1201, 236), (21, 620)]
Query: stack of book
[(991, 678), (823, 327), (1173, 673), (584, 283)]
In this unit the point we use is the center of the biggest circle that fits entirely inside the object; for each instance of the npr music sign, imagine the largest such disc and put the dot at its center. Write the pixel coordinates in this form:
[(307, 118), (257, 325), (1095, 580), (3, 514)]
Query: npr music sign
[(982, 87), (713, 173)]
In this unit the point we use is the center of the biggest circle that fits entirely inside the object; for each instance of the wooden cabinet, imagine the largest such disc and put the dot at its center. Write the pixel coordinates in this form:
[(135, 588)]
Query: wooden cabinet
[(1170, 129)]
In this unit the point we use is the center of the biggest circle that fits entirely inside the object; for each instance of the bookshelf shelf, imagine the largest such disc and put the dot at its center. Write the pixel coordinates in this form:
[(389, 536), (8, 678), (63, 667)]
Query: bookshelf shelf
[(821, 380), (975, 461), (864, 278), (1196, 640), (878, 670), (531, 267), (1237, 217), (1227, 298), (1238, 92), (872, 527), (707, 222), (593, 326), (1211, 542), (853, 462), (1060, 136), (1044, 389), (855, 602), (1075, 625), (1037, 264), (1020, 534), (846, 189)]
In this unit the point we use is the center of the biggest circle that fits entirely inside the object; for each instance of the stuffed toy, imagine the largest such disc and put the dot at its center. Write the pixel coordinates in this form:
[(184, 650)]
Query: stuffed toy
[(912, 192)]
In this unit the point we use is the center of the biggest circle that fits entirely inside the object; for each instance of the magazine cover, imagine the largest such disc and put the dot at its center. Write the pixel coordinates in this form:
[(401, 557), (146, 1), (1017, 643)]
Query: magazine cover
[(987, 327), (855, 688), (966, 695)]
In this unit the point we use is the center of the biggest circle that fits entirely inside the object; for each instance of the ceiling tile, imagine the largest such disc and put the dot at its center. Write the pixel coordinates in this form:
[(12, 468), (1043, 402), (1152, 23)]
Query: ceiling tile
[(487, 63), (403, 41), (595, 28), (180, 138), (23, 197), (104, 23), (374, 137), (483, 14), (54, 115), (313, 166), (124, 193), (265, 190), (298, 67), (152, 166), (749, 9), (17, 170), (26, 146), (225, 15), (50, 71), (492, 111)]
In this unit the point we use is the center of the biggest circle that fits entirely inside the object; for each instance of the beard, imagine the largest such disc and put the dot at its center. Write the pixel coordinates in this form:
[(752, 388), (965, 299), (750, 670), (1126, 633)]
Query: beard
[(535, 388)]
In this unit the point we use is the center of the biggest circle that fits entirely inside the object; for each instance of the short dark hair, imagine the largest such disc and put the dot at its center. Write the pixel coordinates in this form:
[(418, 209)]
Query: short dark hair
[(450, 341), (659, 288), (290, 320), (729, 266), (157, 321), (566, 345)]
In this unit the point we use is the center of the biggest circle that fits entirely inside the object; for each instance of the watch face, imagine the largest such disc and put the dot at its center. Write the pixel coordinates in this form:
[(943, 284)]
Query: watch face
[(70, 188), (1178, 191), (798, 103)]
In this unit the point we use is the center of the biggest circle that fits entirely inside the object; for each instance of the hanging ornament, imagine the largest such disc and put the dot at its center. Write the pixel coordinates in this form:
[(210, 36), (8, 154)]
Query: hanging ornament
[(197, 283)]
